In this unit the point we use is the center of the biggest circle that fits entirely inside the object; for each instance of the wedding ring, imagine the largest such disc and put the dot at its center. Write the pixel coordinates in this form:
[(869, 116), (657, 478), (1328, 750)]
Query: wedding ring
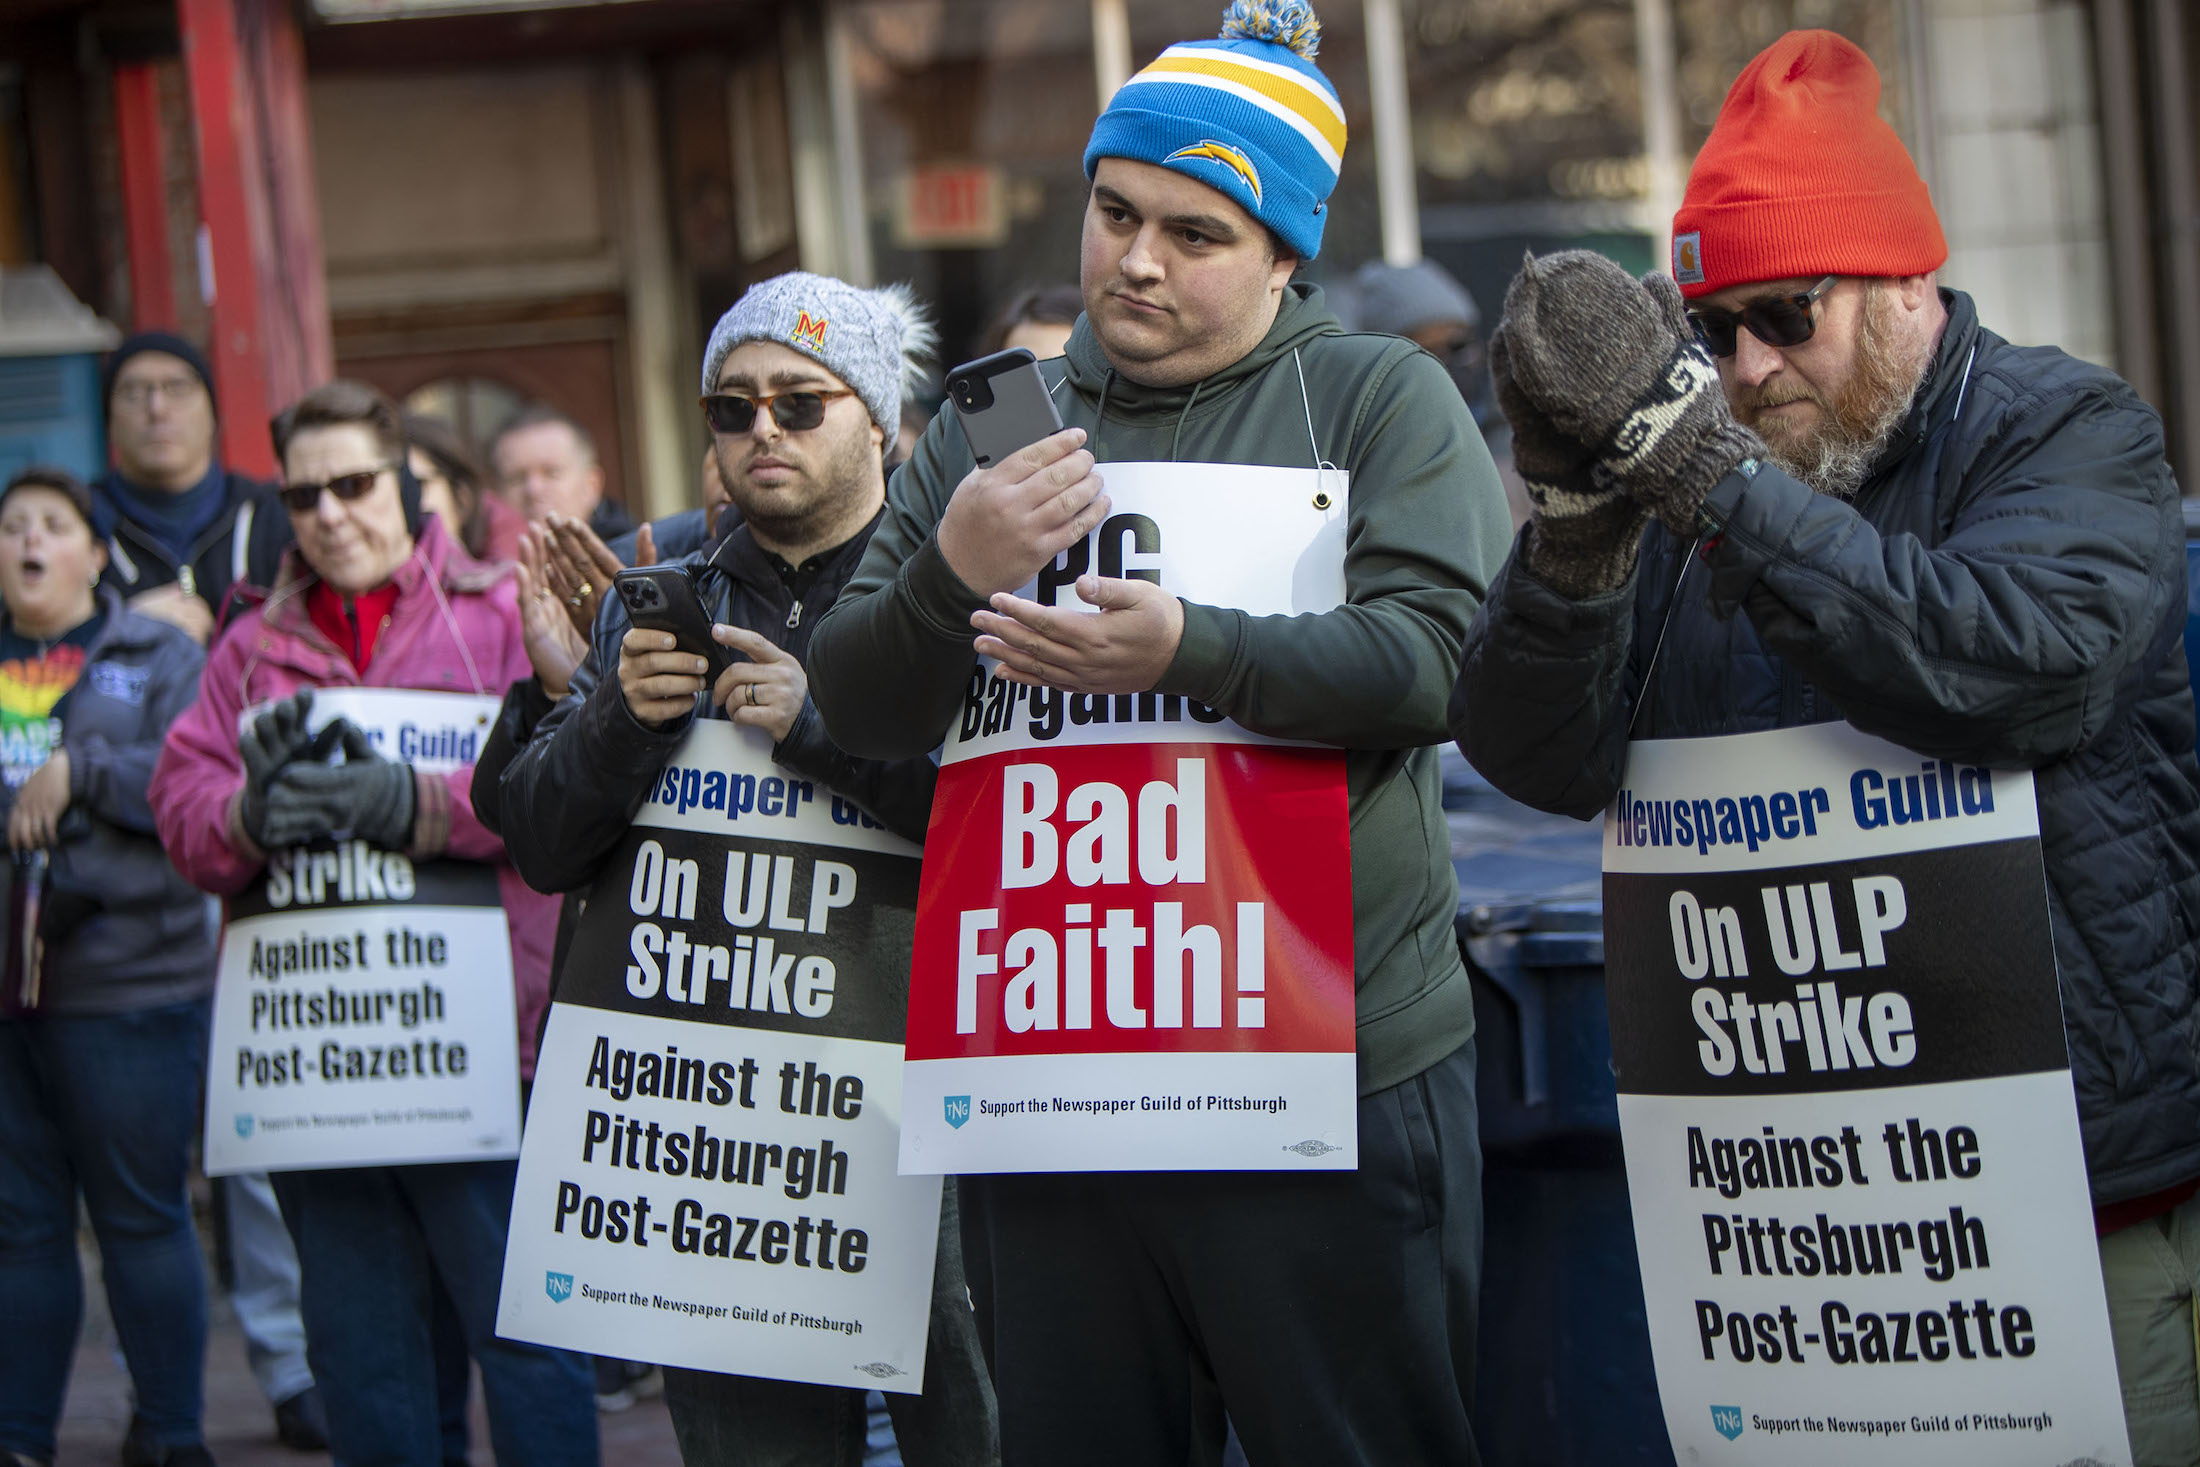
[(752, 695)]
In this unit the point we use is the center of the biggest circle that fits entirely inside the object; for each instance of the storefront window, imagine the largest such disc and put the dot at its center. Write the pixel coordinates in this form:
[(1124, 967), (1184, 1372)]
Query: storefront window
[(1528, 129), (1526, 102), (973, 116), (1717, 38)]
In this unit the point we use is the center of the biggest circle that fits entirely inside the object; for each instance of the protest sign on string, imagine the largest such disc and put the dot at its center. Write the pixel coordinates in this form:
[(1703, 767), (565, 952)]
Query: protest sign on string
[(363, 1008), (708, 1177), (1851, 1140), (1134, 941)]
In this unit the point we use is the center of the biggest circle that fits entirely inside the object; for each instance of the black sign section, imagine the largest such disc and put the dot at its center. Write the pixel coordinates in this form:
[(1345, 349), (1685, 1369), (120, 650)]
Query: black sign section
[(1893, 970), (762, 934), (323, 878)]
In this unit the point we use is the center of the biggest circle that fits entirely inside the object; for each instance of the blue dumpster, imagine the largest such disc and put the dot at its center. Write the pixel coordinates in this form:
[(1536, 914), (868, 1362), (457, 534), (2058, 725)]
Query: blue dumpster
[(1565, 1377), (50, 345)]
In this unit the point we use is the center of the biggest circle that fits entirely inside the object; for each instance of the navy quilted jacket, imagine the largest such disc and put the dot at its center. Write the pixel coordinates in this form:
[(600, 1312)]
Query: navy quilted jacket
[(2009, 589)]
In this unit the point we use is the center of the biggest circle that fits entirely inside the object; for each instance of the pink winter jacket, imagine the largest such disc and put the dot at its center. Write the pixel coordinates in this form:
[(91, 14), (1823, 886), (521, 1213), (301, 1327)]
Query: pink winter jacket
[(273, 650)]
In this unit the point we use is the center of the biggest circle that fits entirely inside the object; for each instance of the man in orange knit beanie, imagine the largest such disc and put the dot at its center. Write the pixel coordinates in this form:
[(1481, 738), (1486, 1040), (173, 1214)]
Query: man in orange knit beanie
[(1904, 522)]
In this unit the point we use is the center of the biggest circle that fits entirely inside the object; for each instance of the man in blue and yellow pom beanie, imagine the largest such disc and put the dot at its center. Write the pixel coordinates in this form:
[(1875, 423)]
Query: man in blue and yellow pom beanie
[(1248, 114), (1324, 1303)]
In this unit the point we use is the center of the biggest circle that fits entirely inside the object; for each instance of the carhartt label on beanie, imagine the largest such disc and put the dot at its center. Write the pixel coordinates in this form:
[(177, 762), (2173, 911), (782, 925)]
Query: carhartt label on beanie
[(1248, 114), (1801, 177)]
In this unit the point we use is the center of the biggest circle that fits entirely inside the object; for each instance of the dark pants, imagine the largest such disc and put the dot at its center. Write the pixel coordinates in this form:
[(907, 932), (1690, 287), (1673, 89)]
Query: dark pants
[(373, 1243), (107, 1106), (746, 1421), (1330, 1314)]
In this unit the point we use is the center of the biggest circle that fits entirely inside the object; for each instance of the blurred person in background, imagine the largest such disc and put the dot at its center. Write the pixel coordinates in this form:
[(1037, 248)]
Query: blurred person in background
[(377, 595), (1424, 303), (1428, 306), (184, 531), (1038, 320), (453, 488), (185, 527), (103, 1035), (679, 533), (545, 464)]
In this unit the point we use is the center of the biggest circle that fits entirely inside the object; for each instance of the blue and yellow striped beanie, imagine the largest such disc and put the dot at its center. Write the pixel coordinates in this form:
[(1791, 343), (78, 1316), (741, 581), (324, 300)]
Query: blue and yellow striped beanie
[(1247, 114)]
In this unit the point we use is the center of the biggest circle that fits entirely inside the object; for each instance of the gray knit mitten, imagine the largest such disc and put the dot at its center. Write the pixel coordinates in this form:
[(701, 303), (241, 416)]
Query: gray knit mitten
[(1613, 364), (1582, 536)]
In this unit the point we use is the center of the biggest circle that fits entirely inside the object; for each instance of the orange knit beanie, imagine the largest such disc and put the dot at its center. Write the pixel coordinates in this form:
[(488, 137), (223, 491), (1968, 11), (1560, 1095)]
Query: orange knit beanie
[(1801, 177)]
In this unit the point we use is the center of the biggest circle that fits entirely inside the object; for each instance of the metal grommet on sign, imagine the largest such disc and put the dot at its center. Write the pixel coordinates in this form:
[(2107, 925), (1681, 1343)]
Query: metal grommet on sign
[(1322, 499)]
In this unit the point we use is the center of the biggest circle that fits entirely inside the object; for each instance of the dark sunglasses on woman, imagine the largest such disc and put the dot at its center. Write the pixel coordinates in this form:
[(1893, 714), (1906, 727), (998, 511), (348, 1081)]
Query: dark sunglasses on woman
[(1777, 320), (301, 498), (730, 412)]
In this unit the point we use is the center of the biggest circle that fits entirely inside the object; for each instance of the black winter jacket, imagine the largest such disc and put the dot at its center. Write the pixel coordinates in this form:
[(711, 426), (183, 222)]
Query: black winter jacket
[(243, 547), (568, 798), (132, 933), (2008, 589)]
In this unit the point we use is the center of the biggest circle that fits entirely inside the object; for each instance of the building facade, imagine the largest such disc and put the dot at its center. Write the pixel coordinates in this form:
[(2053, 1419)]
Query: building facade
[(477, 203)]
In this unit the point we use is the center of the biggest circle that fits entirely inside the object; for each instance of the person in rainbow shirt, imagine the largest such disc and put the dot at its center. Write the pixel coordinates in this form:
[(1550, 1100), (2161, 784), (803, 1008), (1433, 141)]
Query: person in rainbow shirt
[(107, 970)]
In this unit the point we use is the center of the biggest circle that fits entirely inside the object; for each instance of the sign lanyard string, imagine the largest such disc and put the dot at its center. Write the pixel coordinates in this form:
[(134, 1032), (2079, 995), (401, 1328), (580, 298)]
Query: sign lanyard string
[(1307, 403), (1642, 695)]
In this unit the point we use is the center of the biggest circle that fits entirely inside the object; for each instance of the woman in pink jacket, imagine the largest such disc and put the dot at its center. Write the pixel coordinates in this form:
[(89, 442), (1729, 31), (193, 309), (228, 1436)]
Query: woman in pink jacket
[(376, 595)]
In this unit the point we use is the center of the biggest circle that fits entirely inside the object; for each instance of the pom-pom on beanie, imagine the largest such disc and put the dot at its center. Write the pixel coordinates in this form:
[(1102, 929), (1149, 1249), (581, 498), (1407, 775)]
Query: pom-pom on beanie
[(1802, 177), (1248, 114), (876, 341)]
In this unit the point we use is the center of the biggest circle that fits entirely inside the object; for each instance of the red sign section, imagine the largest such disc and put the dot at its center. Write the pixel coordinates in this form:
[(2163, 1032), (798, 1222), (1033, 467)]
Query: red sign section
[(1135, 899)]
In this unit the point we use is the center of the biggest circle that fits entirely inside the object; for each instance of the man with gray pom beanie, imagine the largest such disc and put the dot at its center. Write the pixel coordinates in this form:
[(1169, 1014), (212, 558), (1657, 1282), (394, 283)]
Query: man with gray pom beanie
[(802, 389), (1328, 1314), (1822, 490)]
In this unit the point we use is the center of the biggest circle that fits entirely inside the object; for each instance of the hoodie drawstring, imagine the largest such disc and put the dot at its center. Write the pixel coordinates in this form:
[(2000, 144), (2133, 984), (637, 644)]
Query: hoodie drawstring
[(1178, 436), (1100, 419)]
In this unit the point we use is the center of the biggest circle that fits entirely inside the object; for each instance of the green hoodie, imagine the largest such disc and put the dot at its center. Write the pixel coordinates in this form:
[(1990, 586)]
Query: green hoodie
[(1426, 533)]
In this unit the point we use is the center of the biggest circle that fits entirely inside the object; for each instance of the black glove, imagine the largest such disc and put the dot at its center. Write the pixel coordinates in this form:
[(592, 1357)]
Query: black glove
[(1611, 364), (270, 742), (365, 796)]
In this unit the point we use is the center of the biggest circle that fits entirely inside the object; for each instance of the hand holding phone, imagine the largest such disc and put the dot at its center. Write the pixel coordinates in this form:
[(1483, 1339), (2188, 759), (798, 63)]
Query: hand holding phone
[(1034, 491), (660, 681)]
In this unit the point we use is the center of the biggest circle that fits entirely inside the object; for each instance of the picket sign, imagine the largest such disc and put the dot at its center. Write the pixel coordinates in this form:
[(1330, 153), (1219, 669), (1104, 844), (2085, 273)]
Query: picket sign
[(363, 1009), (708, 1176), (1852, 1144), (1134, 937)]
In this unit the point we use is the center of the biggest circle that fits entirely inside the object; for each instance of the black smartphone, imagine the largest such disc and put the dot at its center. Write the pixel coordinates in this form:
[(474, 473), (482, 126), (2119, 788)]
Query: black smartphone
[(662, 598), (1002, 403)]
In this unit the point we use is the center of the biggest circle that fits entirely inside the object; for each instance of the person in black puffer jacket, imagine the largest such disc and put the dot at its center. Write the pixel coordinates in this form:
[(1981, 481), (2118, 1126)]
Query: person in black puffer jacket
[(799, 423), (1966, 547), (103, 1034)]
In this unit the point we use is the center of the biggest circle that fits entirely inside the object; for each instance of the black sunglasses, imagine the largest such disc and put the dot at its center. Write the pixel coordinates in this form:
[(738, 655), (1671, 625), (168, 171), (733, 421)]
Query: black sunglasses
[(730, 412), (1777, 320), (301, 498)]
